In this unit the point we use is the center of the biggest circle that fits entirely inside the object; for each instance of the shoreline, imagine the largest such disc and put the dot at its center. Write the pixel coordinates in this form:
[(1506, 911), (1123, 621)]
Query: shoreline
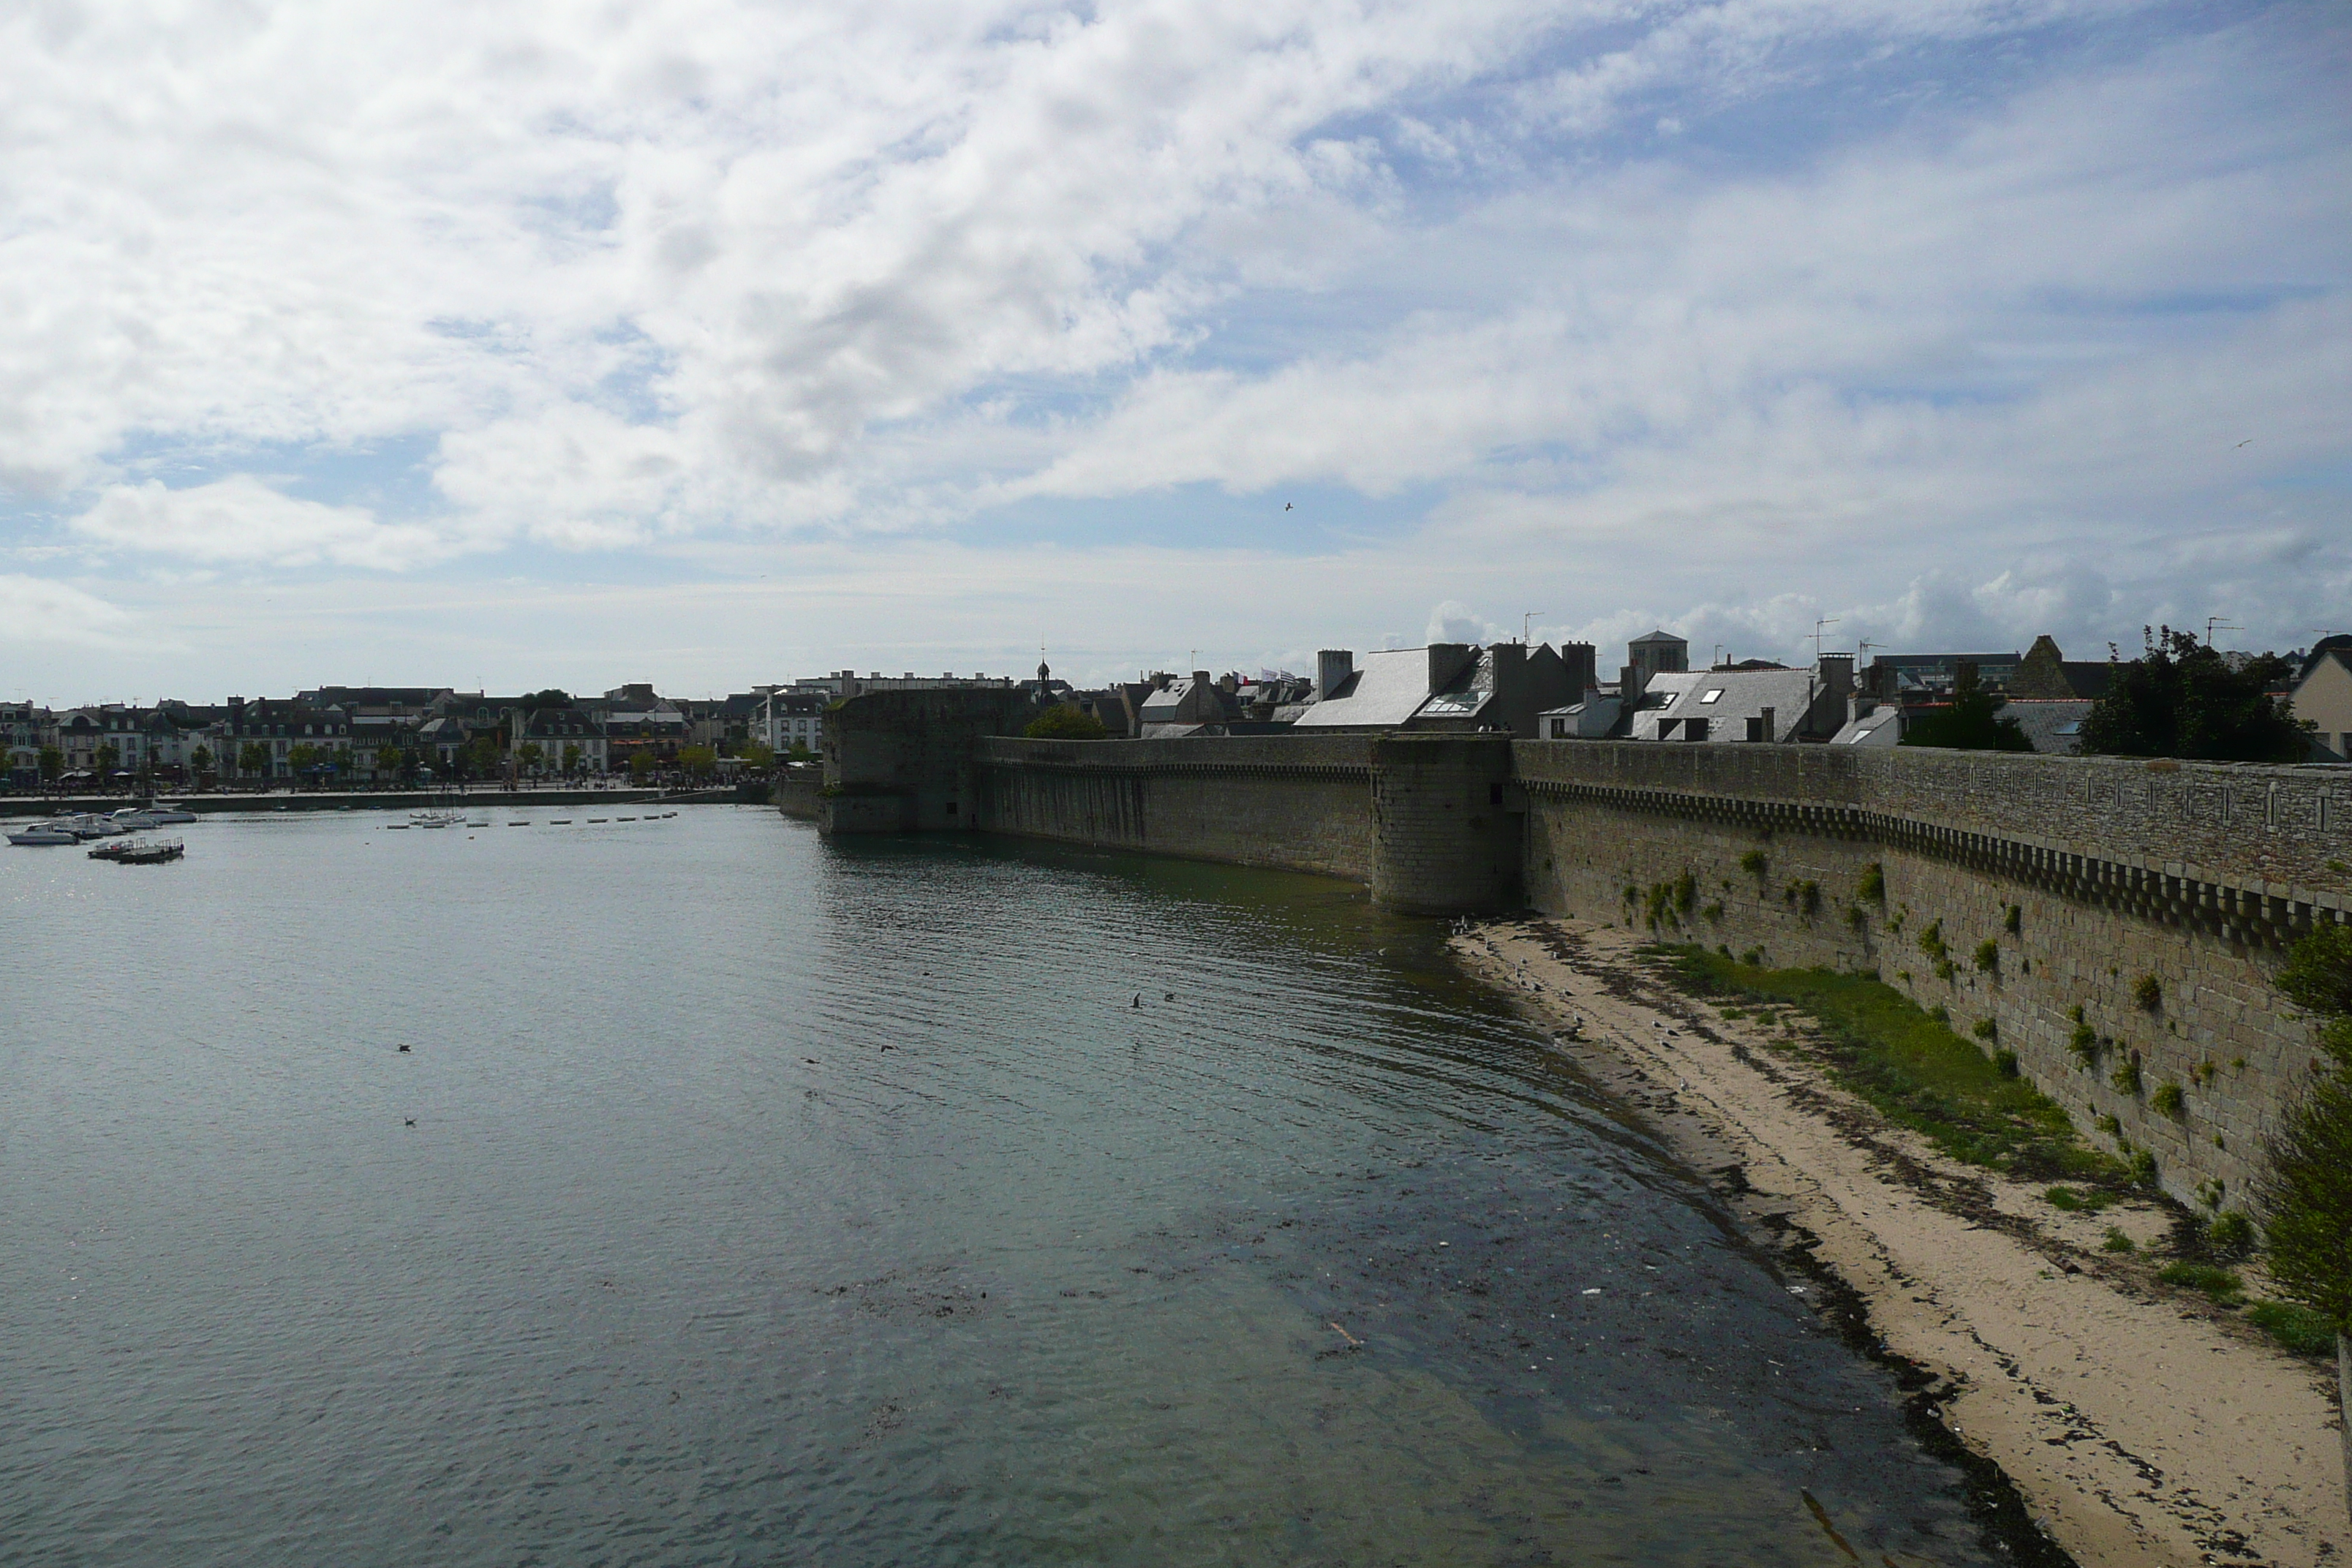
[(45, 806), (2136, 1427)]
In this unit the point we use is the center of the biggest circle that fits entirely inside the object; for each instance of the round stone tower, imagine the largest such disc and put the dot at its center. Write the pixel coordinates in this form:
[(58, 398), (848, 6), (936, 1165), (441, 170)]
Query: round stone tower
[(1448, 826)]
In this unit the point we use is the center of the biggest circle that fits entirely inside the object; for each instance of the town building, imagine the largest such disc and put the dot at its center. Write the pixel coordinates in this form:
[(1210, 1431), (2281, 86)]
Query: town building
[(2047, 675), (1445, 686), (2323, 695), (791, 720)]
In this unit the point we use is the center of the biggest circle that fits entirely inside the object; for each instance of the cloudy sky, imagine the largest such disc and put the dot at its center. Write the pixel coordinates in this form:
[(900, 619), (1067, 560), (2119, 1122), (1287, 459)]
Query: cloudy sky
[(714, 342)]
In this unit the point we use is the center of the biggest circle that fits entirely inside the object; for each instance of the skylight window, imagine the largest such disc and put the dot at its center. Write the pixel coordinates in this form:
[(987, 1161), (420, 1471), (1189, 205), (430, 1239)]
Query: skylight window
[(1711, 695)]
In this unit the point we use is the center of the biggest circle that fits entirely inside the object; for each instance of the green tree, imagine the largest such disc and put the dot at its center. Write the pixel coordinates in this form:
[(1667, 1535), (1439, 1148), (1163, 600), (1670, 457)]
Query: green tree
[(2306, 1196), (570, 759), (554, 697), (200, 761), (799, 751), (390, 760), (52, 764), (641, 764), (1066, 722), (698, 760), (757, 753), (2181, 699), (253, 757), (107, 758), (1973, 722), (529, 756), (301, 757), (482, 756)]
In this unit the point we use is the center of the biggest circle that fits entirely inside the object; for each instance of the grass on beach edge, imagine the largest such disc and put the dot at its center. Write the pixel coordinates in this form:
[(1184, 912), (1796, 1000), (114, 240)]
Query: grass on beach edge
[(1909, 1065)]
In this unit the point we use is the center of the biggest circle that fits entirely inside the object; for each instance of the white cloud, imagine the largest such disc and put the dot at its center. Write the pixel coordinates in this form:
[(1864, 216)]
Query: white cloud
[(34, 610), (243, 520), (1946, 347)]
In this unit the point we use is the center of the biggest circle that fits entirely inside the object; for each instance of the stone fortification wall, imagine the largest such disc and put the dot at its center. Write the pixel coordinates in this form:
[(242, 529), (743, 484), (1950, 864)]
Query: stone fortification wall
[(2156, 898), (1448, 828), (903, 762), (1298, 802)]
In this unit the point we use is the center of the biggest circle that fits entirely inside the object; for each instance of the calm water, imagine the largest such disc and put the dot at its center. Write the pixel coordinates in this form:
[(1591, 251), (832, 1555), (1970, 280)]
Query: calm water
[(768, 1200)]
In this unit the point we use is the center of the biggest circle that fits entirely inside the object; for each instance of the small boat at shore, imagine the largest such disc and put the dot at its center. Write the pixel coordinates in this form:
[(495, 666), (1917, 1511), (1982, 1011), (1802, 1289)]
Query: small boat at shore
[(42, 833)]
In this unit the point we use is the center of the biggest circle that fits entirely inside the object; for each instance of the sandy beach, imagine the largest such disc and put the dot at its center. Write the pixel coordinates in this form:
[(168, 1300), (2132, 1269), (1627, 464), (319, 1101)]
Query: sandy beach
[(2140, 1425)]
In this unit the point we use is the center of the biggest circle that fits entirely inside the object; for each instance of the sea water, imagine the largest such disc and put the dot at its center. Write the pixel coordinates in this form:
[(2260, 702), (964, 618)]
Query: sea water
[(747, 1197)]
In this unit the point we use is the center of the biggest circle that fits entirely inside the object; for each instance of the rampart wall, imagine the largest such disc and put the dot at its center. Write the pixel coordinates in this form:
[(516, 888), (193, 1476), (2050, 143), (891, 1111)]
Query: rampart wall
[(2156, 898), (1298, 802)]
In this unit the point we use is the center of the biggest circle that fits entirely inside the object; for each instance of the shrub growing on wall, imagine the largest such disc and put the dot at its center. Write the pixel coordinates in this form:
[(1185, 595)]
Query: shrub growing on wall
[(2306, 1196)]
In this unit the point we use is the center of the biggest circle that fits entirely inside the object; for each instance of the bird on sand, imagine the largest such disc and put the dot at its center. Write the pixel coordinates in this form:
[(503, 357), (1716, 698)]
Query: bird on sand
[(403, 1050), (1139, 1000), (408, 1121)]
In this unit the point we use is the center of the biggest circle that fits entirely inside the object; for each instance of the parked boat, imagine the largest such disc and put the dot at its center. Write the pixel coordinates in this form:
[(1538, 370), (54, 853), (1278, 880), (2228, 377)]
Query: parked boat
[(166, 815), (134, 819), (45, 833), (155, 852)]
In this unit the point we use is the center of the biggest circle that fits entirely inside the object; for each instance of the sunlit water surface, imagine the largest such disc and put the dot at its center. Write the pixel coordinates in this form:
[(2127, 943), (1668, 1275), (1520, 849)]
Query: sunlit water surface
[(748, 1198)]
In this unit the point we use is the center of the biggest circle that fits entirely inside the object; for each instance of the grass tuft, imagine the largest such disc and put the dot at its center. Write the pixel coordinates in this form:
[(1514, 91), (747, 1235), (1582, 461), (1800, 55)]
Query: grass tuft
[(2219, 1283), (2296, 1327)]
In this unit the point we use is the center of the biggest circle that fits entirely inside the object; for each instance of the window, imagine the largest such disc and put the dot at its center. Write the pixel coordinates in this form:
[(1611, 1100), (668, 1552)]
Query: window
[(1711, 695)]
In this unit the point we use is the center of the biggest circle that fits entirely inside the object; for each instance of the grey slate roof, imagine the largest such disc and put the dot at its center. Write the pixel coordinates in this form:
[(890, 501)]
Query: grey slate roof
[(2052, 726), (1387, 688), (1727, 700)]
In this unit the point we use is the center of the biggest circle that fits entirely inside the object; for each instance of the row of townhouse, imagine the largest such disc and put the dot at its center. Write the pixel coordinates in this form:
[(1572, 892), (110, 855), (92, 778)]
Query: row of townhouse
[(350, 734)]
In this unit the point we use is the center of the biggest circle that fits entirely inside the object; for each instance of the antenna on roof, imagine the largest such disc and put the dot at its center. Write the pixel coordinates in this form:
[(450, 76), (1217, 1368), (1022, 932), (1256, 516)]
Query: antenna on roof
[(2213, 621), (1820, 629), (1527, 622)]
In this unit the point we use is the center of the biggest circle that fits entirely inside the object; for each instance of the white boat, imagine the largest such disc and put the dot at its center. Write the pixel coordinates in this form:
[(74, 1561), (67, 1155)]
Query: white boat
[(134, 819), (85, 825), (168, 815), (44, 832)]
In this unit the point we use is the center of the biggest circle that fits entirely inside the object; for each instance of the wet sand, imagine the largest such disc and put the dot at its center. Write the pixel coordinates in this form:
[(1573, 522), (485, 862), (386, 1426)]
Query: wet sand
[(2139, 1425)]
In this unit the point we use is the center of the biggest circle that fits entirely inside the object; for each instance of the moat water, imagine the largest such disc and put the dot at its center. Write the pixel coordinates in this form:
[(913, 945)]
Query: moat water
[(748, 1198)]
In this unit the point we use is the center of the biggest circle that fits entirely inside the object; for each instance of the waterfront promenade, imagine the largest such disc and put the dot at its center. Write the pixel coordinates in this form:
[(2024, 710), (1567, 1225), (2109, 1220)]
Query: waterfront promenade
[(361, 800)]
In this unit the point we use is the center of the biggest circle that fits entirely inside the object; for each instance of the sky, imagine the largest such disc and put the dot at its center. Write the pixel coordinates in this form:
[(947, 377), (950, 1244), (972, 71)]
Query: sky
[(712, 343)]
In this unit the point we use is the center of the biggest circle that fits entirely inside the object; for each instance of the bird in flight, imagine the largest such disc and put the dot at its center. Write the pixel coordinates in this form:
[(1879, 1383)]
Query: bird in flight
[(2247, 442), (1285, 506)]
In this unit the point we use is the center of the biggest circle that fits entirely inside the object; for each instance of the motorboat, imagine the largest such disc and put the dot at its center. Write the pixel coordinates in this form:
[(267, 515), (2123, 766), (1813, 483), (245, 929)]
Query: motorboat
[(85, 825), (45, 833), (134, 819), (151, 852), (169, 815)]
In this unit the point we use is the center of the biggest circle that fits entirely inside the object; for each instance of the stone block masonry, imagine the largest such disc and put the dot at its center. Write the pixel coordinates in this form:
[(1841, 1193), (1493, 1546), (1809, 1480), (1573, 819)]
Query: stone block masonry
[(2116, 922), (1293, 801), (2113, 922)]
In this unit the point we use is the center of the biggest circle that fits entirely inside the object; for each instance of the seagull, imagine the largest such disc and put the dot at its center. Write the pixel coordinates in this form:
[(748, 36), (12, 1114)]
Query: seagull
[(408, 1121), (1285, 506), (2247, 442), (403, 1050)]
